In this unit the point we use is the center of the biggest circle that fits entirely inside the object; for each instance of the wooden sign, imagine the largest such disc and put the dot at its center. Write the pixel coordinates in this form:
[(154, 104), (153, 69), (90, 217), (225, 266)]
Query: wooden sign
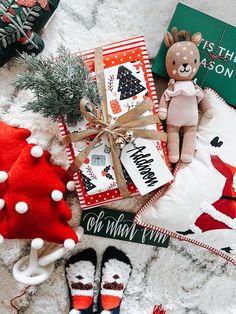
[(119, 225)]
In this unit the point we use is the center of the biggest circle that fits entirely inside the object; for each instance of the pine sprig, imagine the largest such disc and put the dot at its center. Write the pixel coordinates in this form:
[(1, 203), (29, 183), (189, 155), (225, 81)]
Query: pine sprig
[(58, 85)]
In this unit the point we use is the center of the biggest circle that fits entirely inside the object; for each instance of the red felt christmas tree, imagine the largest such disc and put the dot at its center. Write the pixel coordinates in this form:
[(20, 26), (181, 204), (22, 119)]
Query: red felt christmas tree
[(12, 141), (32, 204)]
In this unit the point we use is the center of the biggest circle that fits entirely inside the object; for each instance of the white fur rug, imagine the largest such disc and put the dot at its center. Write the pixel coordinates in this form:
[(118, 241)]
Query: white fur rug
[(183, 278)]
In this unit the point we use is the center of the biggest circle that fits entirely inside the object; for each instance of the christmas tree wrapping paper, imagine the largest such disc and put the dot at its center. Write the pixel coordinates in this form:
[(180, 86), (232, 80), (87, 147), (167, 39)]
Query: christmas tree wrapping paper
[(20, 24), (217, 51), (128, 82)]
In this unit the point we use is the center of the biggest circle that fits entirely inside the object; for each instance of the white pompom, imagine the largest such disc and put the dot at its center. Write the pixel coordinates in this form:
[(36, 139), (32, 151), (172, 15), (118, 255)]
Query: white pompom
[(21, 207), (2, 203), (57, 195), (1, 239), (37, 151), (37, 243), (105, 312), (70, 186), (15, 123), (69, 244), (3, 176)]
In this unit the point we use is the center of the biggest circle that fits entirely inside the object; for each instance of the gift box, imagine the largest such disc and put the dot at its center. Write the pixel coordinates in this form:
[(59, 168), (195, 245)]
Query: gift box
[(128, 85), (217, 51)]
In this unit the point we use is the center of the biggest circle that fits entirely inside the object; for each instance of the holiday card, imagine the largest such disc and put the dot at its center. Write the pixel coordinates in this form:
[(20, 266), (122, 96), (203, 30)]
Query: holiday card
[(217, 51), (128, 81), (119, 225)]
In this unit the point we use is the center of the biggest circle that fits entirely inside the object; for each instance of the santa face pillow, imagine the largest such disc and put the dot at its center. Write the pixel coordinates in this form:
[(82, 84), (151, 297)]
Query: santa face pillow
[(200, 206)]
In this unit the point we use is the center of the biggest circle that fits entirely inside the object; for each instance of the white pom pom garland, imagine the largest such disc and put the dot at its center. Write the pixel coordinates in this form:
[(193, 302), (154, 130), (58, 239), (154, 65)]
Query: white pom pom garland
[(1, 239), (37, 151), (69, 244), (21, 207), (2, 203), (37, 243), (57, 195), (70, 186), (3, 176)]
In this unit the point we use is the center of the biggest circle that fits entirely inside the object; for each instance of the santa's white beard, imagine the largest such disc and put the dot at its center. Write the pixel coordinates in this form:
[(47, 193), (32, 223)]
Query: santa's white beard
[(111, 268), (85, 269)]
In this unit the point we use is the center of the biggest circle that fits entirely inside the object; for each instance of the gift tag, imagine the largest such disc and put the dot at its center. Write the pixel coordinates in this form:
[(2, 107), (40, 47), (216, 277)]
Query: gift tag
[(145, 165)]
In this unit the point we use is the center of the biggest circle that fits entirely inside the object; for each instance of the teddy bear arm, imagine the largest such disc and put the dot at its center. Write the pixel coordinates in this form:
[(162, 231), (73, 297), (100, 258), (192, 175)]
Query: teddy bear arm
[(206, 108), (163, 104), (205, 105)]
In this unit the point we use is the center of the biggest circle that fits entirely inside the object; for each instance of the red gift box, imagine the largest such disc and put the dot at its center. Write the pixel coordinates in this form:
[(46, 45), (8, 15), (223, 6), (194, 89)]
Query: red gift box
[(132, 52)]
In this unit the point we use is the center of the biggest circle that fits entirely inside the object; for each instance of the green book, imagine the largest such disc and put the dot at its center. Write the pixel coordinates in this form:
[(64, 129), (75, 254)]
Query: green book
[(217, 49), (119, 225)]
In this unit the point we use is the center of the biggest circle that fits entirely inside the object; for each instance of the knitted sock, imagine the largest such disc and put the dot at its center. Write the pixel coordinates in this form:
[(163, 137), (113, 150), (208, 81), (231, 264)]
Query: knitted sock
[(116, 269), (80, 273)]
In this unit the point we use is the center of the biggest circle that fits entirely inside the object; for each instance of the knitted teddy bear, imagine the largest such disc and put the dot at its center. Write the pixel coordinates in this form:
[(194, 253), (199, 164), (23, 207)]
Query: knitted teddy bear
[(180, 101), (20, 23)]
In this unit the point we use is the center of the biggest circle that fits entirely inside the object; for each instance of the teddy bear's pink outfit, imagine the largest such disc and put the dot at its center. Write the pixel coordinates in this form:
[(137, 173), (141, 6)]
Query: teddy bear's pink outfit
[(183, 104)]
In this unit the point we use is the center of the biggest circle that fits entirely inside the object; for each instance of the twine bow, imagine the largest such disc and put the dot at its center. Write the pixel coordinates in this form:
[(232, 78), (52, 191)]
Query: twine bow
[(214, 56), (100, 125)]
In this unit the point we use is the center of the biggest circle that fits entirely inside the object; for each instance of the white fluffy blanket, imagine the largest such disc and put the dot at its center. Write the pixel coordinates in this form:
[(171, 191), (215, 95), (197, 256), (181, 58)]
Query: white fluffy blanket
[(184, 279)]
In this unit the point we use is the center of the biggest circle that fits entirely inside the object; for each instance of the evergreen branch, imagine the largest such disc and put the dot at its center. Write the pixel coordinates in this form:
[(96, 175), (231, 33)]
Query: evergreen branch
[(58, 85)]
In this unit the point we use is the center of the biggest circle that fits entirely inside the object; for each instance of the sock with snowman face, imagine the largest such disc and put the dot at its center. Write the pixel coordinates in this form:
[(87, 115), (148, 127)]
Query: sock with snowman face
[(116, 270), (80, 274)]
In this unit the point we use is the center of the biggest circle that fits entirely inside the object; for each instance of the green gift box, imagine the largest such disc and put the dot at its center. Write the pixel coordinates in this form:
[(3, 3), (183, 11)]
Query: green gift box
[(217, 50)]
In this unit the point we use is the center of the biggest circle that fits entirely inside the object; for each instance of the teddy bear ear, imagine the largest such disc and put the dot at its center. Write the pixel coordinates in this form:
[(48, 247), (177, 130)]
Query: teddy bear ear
[(168, 39), (196, 38)]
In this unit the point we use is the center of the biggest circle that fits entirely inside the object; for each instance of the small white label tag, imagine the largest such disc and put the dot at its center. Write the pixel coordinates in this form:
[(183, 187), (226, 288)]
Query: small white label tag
[(145, 165)]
